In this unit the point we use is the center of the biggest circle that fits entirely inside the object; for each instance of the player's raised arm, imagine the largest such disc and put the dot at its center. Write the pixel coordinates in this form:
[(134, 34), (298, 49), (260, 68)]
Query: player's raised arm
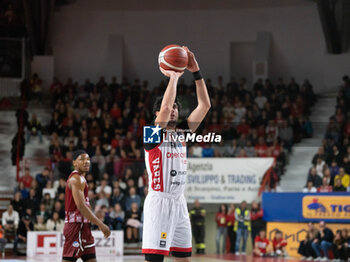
[(198, 114), (77, 187), (166, 107)]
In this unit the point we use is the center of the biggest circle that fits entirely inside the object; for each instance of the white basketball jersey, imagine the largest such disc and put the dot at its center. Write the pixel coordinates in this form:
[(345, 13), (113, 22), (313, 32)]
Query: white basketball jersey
[(166, 165)]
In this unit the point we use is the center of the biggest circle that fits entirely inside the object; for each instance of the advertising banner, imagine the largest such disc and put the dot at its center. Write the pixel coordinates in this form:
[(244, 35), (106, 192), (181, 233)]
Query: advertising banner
[(47, 243), (225, 180), (310, 207), (295, 232)]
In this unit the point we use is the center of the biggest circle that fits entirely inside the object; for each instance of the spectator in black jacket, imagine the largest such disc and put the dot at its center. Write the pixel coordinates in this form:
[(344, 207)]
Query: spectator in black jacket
[(24, 226), (314, 178), (338, 187), (323, 242), (34, 128)]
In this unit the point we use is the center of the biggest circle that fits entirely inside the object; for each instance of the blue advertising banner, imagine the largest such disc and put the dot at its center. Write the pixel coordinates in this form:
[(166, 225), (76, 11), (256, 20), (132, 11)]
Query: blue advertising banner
[(306, 207)]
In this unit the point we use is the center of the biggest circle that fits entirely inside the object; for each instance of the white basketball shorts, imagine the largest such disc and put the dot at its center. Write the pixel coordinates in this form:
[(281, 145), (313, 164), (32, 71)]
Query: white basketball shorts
[(166, 225)]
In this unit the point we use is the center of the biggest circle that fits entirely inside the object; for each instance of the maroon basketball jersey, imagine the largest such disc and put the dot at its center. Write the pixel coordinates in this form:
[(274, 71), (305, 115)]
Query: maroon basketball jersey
[(72, 213)]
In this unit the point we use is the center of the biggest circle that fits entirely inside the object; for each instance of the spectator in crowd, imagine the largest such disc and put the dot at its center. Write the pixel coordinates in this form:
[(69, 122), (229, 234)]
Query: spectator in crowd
[(18, 146), (320, 165), (34, 128), (279, 245), (118, 197), (242, 227), (55, 223), (118, 217), (26, 179), (17, 203), (345, 178), (10, 220), (42, 212), (48, 201), (221, 221), (133, 222), (102, 201), (310, 188), (261, 245), (345, 235), (325, 188), (305, 246), (107, 189), (339, 249), (230, 227), (338, 187), (43, 177), (40, 224), (3, 241), (49, 190), (24, 191), (257, 222), (36, 83), (59, 208), (24, 227), (320, 154), (334, 168), (132, 198), (323, 243), (314, 177)]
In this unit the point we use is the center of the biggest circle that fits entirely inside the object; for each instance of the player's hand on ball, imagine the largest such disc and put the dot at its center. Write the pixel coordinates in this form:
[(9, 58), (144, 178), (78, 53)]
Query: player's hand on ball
[(171, 73), (105, 230), (192, 65)]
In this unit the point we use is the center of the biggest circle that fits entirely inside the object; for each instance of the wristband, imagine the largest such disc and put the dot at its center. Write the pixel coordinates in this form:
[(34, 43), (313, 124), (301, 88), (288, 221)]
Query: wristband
[(197, 75)]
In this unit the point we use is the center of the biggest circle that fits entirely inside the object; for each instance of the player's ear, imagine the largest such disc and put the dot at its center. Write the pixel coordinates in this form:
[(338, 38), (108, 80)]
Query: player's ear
[(157, 113)]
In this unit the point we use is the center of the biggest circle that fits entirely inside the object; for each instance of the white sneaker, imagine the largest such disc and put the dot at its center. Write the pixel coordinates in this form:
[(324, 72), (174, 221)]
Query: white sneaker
[(302, 258), (324, 259), (317, 259), (237, 253), (309, 259), (243, 253)]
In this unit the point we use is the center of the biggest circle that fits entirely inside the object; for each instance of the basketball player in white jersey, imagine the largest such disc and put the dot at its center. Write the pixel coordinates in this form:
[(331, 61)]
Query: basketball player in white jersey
[(167, 227)]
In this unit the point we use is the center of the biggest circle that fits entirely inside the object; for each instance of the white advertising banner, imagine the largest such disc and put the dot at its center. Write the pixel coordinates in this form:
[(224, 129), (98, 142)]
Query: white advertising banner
[(50, 243), (225, 180)]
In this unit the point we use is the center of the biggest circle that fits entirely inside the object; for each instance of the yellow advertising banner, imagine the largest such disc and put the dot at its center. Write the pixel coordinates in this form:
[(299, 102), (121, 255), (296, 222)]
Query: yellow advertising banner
[(326, 207), (296, 232)]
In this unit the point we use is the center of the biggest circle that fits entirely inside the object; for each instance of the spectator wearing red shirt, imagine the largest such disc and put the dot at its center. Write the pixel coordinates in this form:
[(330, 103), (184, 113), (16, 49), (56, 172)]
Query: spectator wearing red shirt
[(115, 111), (261, 244), (243, 127), (221, 220), (256, 219), (230, 231), (325, 187), (261, 148), (26, 179), (279, 244)]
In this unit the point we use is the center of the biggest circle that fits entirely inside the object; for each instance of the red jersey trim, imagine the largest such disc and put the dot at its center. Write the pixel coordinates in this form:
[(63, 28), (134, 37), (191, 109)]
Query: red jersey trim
[(155, 251), (181, 249)]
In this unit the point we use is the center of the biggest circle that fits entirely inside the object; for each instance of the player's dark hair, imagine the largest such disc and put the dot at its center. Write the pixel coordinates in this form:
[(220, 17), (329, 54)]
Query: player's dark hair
[(158, 103), (77, 153)]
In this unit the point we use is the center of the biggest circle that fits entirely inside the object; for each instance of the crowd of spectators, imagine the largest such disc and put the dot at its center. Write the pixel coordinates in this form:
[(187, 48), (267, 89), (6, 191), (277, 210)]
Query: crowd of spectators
[(106, 120), (321, 243), (331, 164)]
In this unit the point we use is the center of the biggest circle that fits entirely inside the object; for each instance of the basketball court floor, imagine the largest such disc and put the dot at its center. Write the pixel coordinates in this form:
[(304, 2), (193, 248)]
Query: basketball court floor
[(195, 258)]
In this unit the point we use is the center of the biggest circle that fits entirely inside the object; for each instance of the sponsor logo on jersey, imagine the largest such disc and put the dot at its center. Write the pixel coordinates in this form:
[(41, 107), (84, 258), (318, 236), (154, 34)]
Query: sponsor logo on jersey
[(75, 244), (163, 235), (162, 243), (175, 155), (173, 173), (151, 134)]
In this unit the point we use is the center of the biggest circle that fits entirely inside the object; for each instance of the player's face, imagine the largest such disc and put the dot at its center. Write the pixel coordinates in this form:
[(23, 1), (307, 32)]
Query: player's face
[(82, 163), (174, 113)]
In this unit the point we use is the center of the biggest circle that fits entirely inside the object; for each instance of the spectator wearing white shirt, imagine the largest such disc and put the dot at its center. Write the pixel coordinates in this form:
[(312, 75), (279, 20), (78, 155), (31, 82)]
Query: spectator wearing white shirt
[(10, 220), (105, 188), (55, 223), (320, 166), (310, 188), (260, 100)]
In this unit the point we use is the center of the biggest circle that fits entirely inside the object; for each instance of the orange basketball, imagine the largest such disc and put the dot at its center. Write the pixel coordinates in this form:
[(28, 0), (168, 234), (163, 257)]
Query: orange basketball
[(173, 57)]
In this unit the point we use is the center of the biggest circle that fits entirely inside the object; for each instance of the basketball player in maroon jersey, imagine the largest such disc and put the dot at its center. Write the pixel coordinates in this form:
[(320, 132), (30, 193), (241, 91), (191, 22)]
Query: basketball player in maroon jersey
[(79, 241)]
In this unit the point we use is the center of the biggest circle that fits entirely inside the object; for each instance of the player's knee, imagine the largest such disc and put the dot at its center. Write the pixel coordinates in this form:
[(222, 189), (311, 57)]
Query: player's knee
[(154, 258)]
